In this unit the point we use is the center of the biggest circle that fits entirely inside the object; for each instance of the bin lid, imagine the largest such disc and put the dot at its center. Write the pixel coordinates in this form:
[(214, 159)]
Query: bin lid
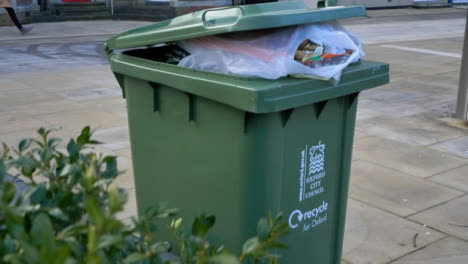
[(229, 19)]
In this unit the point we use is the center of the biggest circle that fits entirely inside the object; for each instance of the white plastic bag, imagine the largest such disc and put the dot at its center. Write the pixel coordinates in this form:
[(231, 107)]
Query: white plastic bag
[(270, 53)]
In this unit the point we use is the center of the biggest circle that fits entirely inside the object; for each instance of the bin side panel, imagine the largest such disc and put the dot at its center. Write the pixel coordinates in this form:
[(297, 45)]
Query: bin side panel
[(349, 114), (317, 158)]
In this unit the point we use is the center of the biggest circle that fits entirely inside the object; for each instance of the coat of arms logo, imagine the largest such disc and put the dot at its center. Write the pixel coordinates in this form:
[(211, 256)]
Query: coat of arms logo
[(317, 158)]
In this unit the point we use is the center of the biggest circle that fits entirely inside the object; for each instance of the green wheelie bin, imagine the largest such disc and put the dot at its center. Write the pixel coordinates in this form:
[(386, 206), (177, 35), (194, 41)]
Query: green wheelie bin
[(240, 147)]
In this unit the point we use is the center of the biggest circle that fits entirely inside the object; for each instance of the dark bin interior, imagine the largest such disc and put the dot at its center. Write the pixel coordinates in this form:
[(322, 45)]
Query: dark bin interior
[(164, 54)]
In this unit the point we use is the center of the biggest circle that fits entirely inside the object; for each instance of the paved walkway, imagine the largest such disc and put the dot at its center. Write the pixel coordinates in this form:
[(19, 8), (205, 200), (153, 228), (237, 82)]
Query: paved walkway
[(409, 189)]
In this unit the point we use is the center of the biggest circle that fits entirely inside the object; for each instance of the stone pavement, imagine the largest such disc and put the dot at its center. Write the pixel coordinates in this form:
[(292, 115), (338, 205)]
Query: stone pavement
[(409, 185)]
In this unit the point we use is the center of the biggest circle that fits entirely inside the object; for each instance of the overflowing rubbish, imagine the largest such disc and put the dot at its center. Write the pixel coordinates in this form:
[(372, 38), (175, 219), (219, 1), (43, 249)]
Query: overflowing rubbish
[(315, 55), (320, 50)]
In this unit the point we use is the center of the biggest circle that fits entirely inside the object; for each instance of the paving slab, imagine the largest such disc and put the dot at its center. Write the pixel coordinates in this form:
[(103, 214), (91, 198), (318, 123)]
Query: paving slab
[(450, 45), (449, 250), (14, 122), (48, 107), (416, 130), (114, 138), (446, 108), (26, 96), (450, 217), (125, 152), (395, 191), (447, 79), (412, 160), (373, 236), (125, 179), (7, 84), (73, 29), (114, 105), (365, 114), (22, 57), (441, 85), (76, 120), (456, 178), (456, 146), (407, 14), (429, 93), (411, 92), (389, 95), (409, 30), (410, 56), (374, 108), (400, 68), (130, 208), (13, 138), (90, 94)]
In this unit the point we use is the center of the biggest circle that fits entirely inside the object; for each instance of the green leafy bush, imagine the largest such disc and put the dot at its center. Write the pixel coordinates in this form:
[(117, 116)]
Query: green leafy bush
[(67, 213)]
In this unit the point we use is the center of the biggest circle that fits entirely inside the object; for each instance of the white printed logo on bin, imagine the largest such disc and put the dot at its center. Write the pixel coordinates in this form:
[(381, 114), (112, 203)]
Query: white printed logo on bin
[(297, 216)]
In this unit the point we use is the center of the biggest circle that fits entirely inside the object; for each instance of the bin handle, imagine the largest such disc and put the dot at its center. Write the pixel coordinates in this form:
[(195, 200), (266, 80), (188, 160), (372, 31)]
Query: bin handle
[(222, 17)]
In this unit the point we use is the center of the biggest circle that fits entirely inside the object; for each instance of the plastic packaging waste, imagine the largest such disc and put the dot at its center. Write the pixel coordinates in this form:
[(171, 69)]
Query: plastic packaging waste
[(271, 53)]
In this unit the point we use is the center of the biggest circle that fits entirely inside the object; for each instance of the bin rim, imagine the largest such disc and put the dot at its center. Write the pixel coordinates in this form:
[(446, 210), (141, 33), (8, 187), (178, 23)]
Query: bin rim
[(253, 95), (229, 19)]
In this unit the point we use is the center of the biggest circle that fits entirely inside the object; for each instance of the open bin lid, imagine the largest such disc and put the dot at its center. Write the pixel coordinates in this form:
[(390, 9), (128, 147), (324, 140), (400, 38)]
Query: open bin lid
[(249, 94), (229, 19)]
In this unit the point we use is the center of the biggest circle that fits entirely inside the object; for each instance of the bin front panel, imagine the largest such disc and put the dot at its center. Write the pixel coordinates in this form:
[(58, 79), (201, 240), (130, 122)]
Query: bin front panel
[(190, 152)]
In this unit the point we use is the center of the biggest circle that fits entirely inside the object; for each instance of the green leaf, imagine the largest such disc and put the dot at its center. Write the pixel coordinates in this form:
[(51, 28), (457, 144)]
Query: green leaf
[(109, 240), (223, 259), (9, 244), (111, 168), (202, 224), (2, 170), (117, 199), (16, 225), (59, 214), (70, 169), (250, 245), (134, 257), (9, 191), (24, 144), (12, 258), (176, 224), (72, 230), (39, 143), (160, 247), (67, 198), (42, 132), (61, 255), (42, 233), (39, 194), (70, 260), (94, 142), (263, 229), (84, 137), (53, 142), (47, 155), (26, 164), (30, 253), (72, 149)]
